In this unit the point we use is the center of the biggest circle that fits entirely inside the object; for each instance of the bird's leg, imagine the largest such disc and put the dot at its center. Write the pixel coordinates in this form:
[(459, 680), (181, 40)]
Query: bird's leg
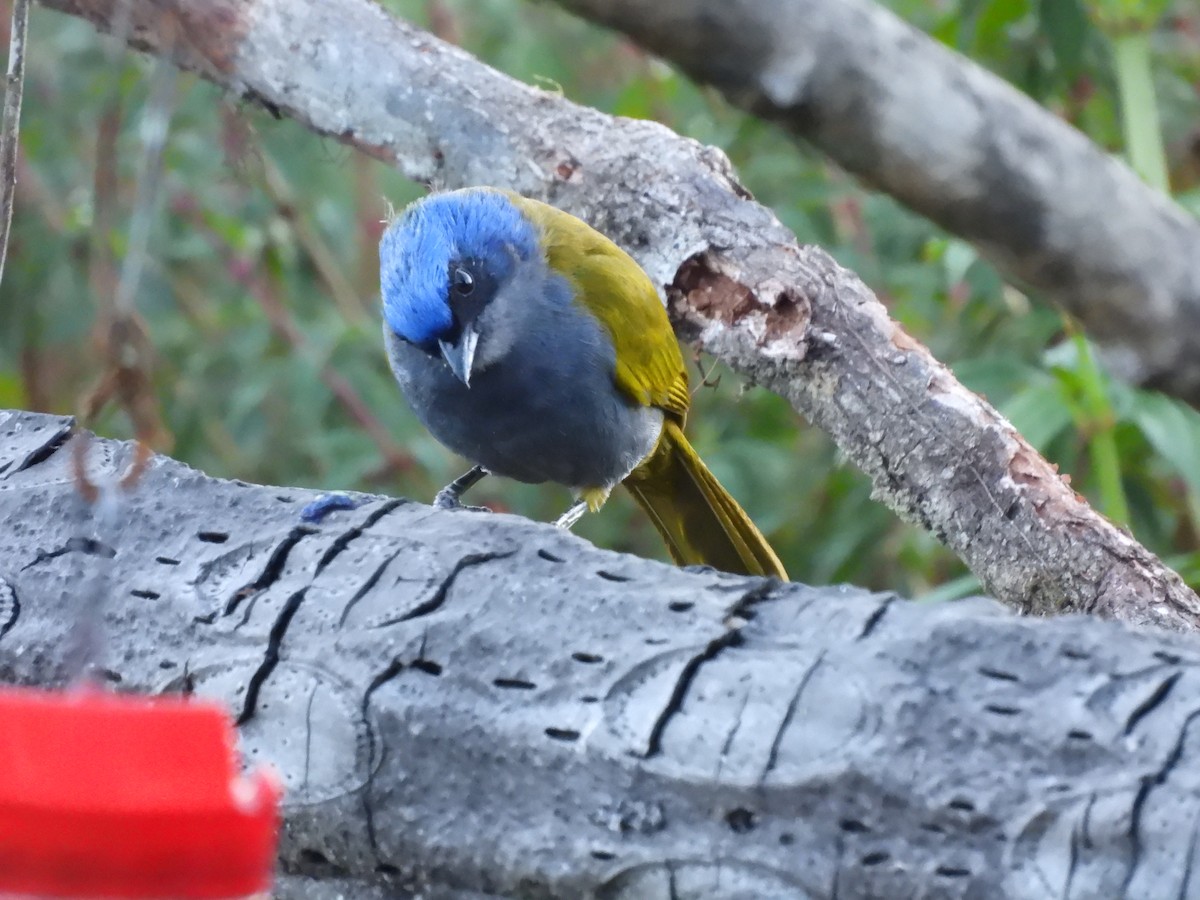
[(450, 497), (589, 498), (573, 514)]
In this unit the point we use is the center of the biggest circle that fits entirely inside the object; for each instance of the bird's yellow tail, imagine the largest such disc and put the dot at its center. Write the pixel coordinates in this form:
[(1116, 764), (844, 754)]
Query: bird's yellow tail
[(697, 518)]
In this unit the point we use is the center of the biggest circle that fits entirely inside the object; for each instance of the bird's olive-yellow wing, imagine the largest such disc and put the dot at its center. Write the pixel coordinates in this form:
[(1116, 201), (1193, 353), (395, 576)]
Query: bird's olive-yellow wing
[(616, 291)]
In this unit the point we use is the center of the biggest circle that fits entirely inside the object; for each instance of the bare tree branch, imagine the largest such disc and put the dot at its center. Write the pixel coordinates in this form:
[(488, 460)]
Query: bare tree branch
[(951, 140), (737, 283), (465, 703), (10, 126)]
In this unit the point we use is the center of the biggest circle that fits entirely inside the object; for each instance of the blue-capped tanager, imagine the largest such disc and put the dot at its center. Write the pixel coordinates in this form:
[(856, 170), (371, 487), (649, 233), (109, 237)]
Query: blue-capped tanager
[(532, 345)]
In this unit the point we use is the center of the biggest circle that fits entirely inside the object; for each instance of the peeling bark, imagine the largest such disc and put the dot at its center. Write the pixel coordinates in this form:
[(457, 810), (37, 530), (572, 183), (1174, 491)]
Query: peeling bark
[(479, 706), (955, 143), (738, 285)]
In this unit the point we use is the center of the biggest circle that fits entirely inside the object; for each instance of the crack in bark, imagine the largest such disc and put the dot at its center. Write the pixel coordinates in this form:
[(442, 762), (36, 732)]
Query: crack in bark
[(372, 580), (271, 657), (876, 616), (343, 540), (1189, 864), (788, 715), (393, 668), (87, 546), (1149, 782), (374, 577), (759, 592), (839, 846), (434, 603), (727, 744), (1150, 669), (247, 612), (308, 730), (1148, 705), (366, 586), (1077, 827), (271, 571), (52, 445), (683, 683), (1087, 821)]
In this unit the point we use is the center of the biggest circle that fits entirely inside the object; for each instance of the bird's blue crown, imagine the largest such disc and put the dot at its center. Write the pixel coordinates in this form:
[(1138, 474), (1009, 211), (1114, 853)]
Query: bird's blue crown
[(417, 250)]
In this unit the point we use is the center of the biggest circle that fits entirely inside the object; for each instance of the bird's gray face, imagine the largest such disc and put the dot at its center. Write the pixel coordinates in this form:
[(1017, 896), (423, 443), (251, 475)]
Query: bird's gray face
[(489, 306), (447, 267), (472, 285)]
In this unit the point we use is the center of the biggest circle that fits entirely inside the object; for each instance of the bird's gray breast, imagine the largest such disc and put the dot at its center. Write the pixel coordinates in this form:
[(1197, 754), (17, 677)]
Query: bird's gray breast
[(547, 409)]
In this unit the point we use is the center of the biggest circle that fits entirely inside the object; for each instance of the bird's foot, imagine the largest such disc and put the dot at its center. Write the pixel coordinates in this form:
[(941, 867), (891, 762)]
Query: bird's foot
[(450, 497), (568, 519), (446, 499), (449, 501)]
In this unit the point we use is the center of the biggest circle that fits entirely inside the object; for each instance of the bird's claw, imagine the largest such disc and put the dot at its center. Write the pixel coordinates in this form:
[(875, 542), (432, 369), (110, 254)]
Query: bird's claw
[(447, 499), (568, 519), (450, 497)]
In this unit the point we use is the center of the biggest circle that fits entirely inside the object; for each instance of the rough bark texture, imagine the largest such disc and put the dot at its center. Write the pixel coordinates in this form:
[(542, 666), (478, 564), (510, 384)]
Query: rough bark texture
[(738, 284), (482, 706), (961, 146)]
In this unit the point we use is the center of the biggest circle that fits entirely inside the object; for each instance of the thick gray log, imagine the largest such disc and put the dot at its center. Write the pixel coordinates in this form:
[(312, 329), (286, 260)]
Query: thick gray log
[(951, 140), (738, 285), (482, 706)]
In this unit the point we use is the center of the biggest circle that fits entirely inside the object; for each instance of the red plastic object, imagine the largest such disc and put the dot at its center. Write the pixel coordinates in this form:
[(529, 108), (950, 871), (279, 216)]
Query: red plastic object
[(104, 795)]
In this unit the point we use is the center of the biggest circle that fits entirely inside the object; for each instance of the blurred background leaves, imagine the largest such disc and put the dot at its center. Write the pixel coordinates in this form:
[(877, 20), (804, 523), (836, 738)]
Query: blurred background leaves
[(260, 298)]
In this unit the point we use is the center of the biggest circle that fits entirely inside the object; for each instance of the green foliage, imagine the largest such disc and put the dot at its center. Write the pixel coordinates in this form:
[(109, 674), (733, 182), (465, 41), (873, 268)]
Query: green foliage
[(261, 357)]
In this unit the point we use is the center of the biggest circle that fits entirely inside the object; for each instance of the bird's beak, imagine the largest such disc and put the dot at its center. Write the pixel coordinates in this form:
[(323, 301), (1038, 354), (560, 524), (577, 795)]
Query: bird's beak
[(460, 355)]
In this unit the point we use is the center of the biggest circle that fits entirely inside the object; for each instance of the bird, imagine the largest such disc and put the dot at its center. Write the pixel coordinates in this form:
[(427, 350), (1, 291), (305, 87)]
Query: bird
[(529, 343)]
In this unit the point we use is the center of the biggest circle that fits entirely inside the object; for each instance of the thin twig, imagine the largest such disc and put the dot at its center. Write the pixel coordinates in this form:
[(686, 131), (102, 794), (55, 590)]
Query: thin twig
[(352, 306), (155, 125), (706, 379), (14, 87), (126, 346), (102, 269)]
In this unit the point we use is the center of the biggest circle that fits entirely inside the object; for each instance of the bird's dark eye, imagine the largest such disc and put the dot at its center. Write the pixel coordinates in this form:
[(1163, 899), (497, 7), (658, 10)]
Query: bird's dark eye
[(462, 282)]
